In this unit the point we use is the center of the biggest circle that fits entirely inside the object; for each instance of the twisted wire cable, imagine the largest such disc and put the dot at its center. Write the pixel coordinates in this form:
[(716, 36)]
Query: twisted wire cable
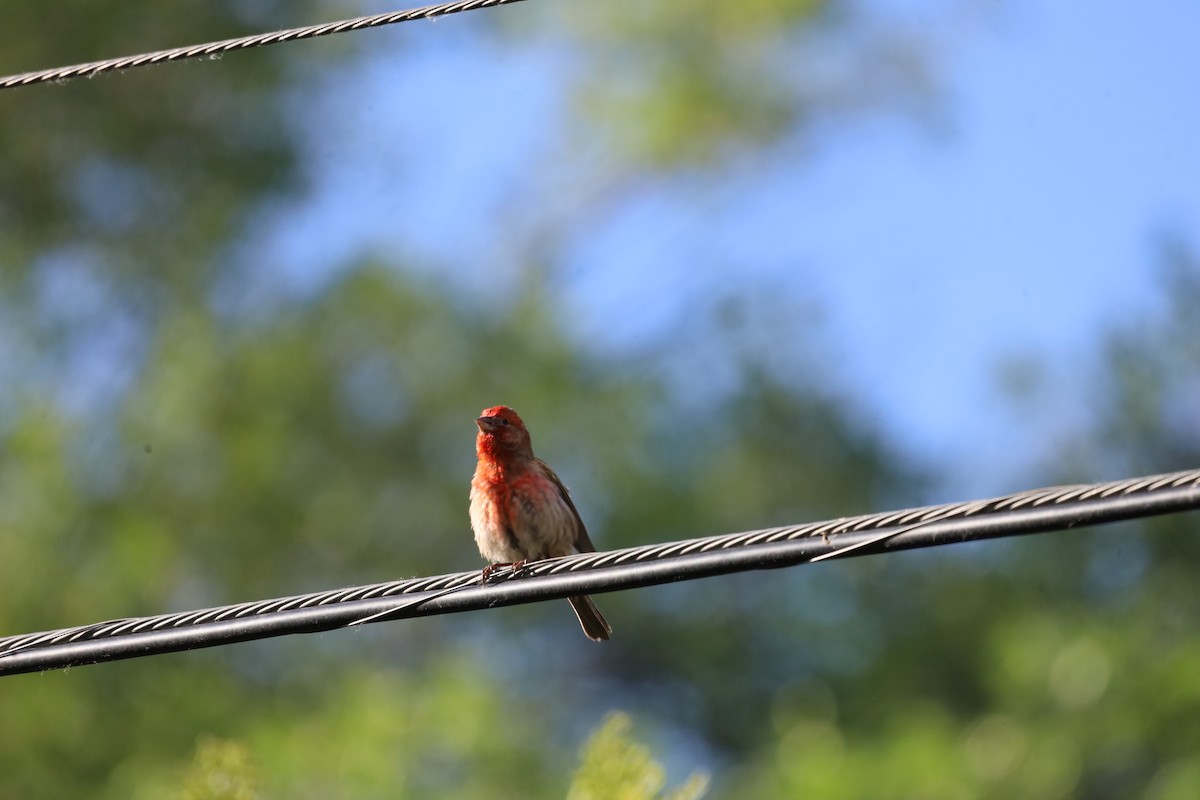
[(61, 74), (1035, 511)]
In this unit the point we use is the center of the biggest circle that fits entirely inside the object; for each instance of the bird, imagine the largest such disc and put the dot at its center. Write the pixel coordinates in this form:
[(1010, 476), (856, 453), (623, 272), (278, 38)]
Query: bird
[(520, 509)]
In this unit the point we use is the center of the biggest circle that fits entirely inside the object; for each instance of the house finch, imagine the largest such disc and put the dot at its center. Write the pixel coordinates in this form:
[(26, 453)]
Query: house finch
[(520, 510)]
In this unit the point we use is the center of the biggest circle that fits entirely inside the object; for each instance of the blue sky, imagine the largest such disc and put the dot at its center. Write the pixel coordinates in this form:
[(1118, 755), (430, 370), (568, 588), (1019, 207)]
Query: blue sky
[(1018, 221), (1026, 231)]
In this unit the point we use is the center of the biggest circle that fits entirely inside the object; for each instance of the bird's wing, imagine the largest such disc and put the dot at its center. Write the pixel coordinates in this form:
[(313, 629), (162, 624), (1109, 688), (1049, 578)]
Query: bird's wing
[(583, 542)]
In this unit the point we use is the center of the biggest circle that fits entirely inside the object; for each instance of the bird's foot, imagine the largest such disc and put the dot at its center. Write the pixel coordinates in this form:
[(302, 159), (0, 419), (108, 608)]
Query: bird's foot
[(513, 568)]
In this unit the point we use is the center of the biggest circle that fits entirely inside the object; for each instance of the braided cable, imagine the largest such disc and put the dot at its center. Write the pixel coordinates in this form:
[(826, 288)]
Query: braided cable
[(1034, 511), (61, 74)]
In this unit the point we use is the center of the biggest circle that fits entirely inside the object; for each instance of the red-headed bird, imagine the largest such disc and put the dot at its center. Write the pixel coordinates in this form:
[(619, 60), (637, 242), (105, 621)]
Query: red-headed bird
[(520, 510)]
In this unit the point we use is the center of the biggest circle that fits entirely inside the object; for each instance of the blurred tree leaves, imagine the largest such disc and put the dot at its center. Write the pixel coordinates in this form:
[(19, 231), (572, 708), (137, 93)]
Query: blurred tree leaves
[(221, 770), (684, 85), (617, 767)]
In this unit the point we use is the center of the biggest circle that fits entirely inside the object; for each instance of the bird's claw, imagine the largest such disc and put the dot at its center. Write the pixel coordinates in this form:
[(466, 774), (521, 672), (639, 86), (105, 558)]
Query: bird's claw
[(513, 568)]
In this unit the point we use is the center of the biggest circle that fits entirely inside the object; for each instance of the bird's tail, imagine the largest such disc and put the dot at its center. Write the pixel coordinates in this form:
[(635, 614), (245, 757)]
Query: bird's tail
[(594, 625)]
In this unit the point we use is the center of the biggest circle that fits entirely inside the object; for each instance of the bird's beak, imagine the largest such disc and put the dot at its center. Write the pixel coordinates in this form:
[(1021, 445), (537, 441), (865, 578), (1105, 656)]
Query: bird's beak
[(486, 424)]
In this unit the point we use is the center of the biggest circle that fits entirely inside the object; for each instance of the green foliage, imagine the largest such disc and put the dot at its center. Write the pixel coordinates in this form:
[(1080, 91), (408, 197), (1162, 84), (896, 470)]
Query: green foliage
[(616, 767), (1066, 710), (220, 770), (676, 85)]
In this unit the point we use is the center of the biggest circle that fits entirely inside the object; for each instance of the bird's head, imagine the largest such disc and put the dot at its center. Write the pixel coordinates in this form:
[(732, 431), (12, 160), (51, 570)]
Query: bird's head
[(502, 433)]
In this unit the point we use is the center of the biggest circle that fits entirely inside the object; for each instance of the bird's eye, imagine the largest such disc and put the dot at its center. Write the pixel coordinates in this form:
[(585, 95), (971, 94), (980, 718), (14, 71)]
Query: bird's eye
[(503, 421)]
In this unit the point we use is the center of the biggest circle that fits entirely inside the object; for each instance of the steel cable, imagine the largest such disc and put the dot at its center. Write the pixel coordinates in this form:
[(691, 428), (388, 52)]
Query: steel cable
[(61, 74), (1035, 511)]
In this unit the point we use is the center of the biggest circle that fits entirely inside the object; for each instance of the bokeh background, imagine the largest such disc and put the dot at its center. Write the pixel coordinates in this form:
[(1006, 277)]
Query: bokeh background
[(737, 264)]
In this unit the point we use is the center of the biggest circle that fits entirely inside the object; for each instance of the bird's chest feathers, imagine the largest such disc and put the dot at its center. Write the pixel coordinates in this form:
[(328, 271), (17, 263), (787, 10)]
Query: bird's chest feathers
[(520, 514), (518, 499)]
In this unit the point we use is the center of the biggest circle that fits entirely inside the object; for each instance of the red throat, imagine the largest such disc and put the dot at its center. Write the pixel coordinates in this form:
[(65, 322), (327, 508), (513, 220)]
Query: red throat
[(486, 447), (496, 453)]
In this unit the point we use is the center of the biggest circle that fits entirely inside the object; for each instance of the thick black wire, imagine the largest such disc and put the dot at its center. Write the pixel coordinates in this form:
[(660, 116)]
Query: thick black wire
[(1034, 511), (61, 74)]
